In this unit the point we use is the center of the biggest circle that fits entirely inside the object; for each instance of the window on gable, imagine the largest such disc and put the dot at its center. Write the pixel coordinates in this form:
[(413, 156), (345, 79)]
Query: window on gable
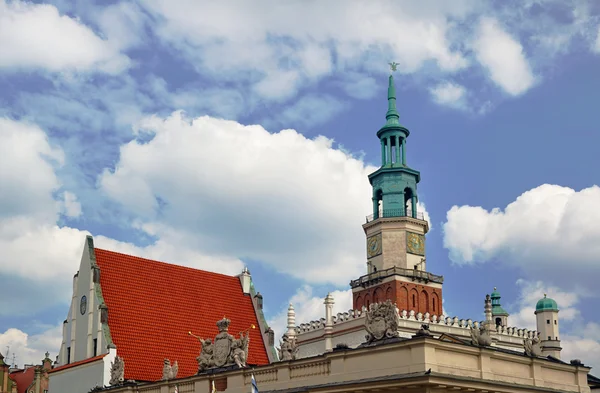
[(95, 347), (68, 355)]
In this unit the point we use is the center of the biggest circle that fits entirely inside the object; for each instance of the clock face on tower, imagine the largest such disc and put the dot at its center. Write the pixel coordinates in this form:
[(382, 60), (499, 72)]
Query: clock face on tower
[(83, 305), (415, 243), (374, 245)]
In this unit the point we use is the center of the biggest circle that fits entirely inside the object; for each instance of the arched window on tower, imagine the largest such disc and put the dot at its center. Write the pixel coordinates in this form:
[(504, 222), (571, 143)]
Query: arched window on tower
[(408, 202), (414, 299), (379, 198), (498, 321), (434, 305)]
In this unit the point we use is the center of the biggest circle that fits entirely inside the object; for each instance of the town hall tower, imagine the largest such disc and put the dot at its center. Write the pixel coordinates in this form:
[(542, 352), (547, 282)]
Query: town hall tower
[(396, 264)]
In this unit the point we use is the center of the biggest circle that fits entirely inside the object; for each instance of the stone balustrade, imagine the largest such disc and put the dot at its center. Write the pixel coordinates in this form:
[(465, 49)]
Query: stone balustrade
[(418, 318), (423, 363)]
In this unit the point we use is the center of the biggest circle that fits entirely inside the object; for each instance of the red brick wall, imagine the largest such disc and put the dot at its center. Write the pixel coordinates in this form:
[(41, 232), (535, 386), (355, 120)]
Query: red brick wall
[(407, 296)]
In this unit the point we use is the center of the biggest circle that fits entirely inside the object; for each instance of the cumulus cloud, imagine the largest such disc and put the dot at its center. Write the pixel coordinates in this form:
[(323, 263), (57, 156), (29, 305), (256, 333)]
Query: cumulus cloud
[(30, 349), (596, 47), (37, 36), (550, 231), (30, 205), (277, 55), (241, 190), (280, 198), (449, 94), (309, 306), (503, 57)]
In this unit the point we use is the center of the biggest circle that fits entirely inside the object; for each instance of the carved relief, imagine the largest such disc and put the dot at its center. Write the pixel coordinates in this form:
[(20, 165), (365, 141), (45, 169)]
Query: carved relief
[(169, 371), (381, 321), (288, 348), (374, 245), (117, 371), (226, 349), (415, 243)]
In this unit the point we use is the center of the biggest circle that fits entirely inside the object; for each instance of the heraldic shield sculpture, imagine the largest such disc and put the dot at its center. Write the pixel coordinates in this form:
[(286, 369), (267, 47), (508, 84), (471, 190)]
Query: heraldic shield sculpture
[(226, 349), (381, 321)]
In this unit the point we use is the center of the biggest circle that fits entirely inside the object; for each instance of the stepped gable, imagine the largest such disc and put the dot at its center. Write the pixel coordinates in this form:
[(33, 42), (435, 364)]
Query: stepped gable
[(153, 305)]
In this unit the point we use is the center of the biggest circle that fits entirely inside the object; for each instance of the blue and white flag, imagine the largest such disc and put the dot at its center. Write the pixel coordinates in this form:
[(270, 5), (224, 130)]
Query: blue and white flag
[(253, 385)]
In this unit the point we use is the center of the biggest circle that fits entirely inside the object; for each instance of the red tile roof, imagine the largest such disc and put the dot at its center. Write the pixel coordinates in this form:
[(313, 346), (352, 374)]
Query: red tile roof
[(23, 378), (152, 306), (84, 361)]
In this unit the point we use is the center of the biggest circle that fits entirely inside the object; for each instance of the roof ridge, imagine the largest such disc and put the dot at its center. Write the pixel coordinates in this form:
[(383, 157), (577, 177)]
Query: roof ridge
[(163, 262)]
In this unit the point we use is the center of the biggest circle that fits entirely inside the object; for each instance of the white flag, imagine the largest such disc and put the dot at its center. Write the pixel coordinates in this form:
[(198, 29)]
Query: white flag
[(253, 385)]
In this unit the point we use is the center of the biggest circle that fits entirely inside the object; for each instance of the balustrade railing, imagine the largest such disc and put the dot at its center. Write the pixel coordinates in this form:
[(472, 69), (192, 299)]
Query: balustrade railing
[(388, 213)]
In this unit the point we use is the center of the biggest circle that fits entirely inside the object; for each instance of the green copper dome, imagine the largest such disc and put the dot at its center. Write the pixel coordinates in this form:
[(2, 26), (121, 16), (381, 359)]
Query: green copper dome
[(546, 304), (496, 307)]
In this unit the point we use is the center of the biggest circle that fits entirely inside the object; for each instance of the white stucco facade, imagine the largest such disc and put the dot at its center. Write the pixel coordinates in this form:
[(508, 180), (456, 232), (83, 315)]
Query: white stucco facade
[(84, 334), (82, 378)]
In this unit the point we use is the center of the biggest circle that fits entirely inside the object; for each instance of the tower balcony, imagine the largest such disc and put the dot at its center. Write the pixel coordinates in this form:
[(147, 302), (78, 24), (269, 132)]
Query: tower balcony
[(389, 213), (378, 276)]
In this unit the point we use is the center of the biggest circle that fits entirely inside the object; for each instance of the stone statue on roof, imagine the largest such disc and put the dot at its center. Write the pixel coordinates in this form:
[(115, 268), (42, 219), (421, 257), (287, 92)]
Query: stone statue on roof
[(226, 349), (533, 347), (288, 348), (117, 371), (381, 321), (169, 371)]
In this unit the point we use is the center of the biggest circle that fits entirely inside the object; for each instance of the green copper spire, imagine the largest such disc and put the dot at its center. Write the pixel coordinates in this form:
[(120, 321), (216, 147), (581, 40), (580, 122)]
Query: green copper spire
[(392, 115)]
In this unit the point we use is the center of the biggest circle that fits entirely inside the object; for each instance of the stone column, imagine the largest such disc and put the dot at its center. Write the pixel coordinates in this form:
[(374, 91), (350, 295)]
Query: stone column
[(403, 151), (291, 321), (328, 331), (382, 151), (398, 150), (375, 208), (413, 202), (389, 150)]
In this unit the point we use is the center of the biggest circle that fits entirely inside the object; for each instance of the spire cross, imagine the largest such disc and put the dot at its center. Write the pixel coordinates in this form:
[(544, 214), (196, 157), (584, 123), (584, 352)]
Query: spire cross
[(393, 66)]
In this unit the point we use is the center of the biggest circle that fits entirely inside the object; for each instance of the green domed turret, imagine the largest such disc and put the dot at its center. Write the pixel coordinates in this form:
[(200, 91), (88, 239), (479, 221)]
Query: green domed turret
[(546, 304), (497, 309)]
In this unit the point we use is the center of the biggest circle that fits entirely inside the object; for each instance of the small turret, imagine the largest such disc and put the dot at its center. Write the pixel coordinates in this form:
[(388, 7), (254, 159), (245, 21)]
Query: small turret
[(499, 315), (546, 312)]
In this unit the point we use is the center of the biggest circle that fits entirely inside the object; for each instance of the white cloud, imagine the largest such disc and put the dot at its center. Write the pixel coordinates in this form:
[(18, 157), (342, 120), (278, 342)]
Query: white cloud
[(27, 178), (35, 252), (550, 231), (596, 47), (309, 307), (247, 43), (36, 36), (30, 349), (237, 190), (503, 57), (449, 94)]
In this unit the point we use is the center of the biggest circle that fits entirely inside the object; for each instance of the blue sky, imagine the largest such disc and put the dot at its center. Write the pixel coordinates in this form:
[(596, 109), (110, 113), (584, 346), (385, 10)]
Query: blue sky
[(218, 136)]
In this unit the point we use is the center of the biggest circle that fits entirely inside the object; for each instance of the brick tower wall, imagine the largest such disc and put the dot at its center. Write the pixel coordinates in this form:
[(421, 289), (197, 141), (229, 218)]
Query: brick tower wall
[(407, 296)]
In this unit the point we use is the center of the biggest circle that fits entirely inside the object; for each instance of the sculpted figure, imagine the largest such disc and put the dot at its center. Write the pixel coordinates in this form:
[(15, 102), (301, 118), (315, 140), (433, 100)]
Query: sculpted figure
[(424, 331), (533, 347), (381, 321), (240, 350), (288, 349), (117, 371), (481, 337), (205, 359), (169, 372)]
